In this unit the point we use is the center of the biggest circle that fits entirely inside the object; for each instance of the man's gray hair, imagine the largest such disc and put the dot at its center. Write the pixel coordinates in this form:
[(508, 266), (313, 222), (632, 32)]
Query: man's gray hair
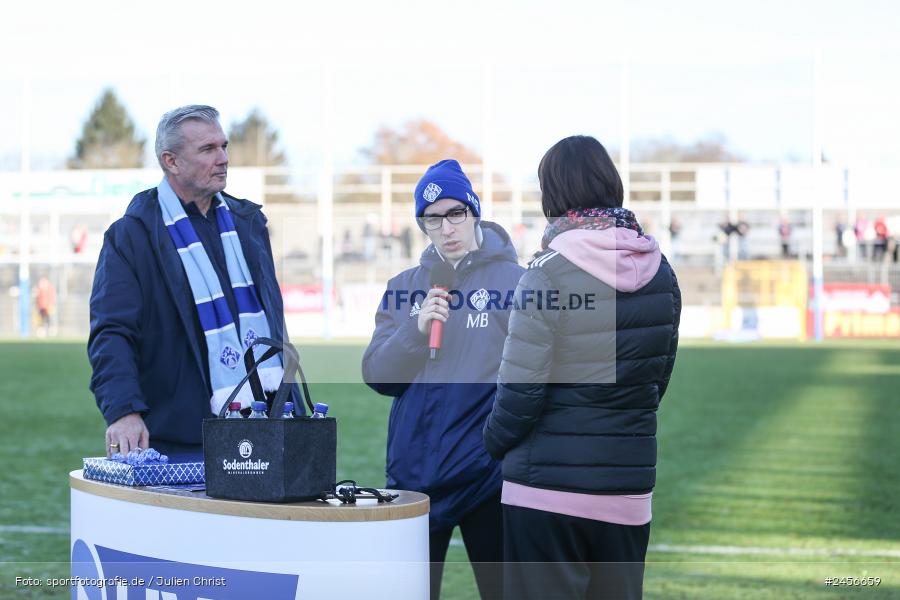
[(168, 132)]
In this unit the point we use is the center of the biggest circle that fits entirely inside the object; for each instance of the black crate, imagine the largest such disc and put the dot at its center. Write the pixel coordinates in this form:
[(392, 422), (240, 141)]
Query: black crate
[(269, 460), (275, 459)]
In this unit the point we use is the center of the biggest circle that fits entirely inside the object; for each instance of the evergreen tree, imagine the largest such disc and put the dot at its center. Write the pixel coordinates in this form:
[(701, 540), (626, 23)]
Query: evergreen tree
[(253, 143), (108, 139)]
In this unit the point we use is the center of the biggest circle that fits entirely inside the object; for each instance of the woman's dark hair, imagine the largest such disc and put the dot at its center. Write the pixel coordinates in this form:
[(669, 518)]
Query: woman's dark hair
[(577, 172)]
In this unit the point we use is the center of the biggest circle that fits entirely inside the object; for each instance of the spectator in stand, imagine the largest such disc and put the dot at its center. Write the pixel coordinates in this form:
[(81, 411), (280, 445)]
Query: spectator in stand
[(387, 244), (849, 239), (79, 237), (674, 237), (46, 302), (739, 228), (368, 235), (723, 238), (784, 234), (879, 249), (839, 228), (406, 242), (860, 229), (348, 248), (869, 238), (742, 228), (893, 226)]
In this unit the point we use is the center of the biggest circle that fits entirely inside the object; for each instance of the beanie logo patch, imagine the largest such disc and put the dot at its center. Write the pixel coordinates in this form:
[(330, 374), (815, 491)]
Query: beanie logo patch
[(473, 201), (431, 192)]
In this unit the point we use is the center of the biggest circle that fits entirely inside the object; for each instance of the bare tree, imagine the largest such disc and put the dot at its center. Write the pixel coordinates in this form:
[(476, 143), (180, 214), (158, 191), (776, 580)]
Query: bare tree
[(713, 148), (416, 142)]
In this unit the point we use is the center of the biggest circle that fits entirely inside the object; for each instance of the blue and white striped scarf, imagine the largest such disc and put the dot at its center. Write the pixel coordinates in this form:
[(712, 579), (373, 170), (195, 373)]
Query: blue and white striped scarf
[(225, 340)]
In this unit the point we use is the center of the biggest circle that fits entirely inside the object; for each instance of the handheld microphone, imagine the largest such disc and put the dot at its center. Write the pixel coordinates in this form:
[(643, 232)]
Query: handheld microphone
[(443, 276)]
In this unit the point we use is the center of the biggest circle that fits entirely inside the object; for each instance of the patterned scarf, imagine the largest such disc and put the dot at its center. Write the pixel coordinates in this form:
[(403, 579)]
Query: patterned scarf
[(224, 341), (590, 218)]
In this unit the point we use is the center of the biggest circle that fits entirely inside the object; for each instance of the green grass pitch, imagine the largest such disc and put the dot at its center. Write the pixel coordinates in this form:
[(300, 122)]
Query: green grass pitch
[(778, 465)]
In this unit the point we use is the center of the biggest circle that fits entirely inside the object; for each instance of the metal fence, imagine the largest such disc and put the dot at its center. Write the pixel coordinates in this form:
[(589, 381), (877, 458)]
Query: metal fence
[(347, 227)]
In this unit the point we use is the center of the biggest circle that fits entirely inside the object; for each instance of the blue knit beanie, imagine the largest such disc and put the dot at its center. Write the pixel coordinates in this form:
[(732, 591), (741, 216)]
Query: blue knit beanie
[(445, 180)]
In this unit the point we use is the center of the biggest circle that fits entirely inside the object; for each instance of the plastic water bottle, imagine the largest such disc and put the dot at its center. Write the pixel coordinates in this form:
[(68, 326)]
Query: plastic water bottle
[(288, 410), (234, 411), (320, 410), (259, 410)]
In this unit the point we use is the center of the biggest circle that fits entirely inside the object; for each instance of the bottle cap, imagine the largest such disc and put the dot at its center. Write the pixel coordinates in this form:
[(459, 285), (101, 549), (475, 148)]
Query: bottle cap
[(259, 405), (321, 407), (234, 406)]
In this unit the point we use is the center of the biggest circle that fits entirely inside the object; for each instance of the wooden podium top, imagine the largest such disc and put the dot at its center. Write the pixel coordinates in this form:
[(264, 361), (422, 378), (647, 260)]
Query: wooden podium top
[(407, 506)]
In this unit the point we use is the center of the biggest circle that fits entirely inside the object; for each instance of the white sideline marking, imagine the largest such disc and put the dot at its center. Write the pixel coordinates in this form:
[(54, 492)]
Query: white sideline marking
[(738, 550), (665, 548), (33, 529), (743, 550)]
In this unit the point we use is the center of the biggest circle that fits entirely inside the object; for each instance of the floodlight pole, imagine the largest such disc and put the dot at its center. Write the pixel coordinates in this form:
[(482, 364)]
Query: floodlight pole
[(817, 220), (25, 215), (625, 139), (851, 218), (665, 226), (516, 199), (487, 130), (326, 198), (387, 183)]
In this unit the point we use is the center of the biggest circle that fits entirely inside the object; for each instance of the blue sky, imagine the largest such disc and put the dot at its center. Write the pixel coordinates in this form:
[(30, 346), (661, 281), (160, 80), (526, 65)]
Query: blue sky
[(507, 78)]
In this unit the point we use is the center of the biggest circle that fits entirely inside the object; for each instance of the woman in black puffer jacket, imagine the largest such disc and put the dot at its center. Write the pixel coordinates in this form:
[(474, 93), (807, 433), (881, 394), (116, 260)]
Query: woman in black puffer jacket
[(588, 357)]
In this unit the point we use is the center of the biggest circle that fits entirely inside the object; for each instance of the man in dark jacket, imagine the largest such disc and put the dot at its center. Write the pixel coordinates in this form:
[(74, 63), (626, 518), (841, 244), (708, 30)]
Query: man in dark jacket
[(184, 283), (434, 433)]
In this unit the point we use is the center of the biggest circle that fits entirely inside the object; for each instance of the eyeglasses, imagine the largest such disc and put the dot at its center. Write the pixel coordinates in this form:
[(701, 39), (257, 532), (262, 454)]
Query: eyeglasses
[(455, 216)]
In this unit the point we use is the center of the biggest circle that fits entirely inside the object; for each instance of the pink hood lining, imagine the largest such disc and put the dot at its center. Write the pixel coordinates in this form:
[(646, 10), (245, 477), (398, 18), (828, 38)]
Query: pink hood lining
[(617, 256)]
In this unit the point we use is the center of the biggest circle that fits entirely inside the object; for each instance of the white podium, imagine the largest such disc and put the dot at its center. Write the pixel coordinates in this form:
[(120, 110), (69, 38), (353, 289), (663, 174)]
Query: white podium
[(167, 545)]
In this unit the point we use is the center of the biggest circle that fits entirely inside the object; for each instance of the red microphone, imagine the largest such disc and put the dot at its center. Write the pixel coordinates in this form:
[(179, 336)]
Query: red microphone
[(442, 277)]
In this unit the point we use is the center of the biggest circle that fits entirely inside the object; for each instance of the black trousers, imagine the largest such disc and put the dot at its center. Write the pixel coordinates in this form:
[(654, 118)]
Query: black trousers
[(549, 555), (482, 532)]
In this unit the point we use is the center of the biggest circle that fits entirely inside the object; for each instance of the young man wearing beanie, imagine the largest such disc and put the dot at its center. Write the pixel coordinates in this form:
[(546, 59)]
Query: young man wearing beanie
[(440, 404)]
